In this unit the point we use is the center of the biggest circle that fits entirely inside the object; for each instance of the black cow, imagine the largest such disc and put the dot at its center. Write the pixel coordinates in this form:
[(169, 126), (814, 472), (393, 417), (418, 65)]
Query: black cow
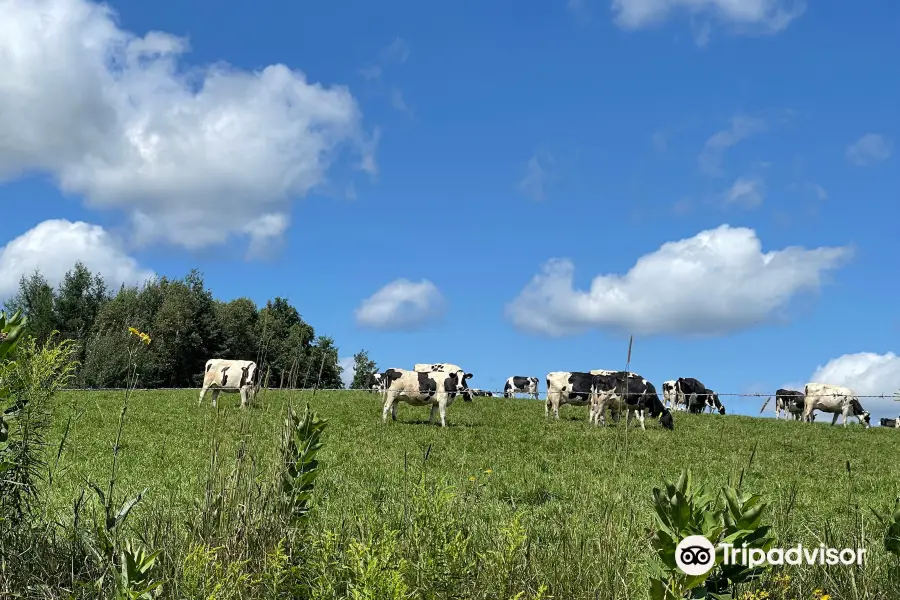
[(521, 385), (696, 396), (476, 392), (435, 389), (895, 423)]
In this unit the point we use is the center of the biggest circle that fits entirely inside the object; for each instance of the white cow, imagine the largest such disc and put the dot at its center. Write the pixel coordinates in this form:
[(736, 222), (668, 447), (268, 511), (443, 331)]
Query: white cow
[(230, 376), (423, 388), (835, 399)]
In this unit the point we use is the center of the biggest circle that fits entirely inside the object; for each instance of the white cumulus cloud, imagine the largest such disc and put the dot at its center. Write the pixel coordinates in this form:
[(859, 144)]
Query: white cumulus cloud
[(190, 155), (869, 149), (743, 16), (401, 305), (867, 374), (54, 246), (717, 282)]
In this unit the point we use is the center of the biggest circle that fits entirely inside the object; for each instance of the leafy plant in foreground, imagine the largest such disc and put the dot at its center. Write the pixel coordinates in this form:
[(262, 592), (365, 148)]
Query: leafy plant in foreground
[(301, 443), (11, 330), (682, 511), (892, 531)]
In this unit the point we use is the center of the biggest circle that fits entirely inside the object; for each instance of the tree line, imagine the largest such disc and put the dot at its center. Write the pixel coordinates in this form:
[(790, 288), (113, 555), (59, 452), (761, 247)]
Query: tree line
[(187, 326)]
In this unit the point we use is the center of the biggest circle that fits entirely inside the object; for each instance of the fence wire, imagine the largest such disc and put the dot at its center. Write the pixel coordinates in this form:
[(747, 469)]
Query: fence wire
[(893, 396)]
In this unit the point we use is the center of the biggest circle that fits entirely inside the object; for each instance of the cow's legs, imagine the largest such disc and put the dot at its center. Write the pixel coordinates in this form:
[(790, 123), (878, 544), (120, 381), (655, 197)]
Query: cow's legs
[(640, 414), (389, 406), (202, 394), (553, 400), (244, 400), (442, 407), (835, 418), (215, 397), (434, 409), (594, 415)]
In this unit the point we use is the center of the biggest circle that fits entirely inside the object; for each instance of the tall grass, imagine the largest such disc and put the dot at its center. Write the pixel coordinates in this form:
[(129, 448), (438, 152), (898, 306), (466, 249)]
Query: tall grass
[(143, 495)]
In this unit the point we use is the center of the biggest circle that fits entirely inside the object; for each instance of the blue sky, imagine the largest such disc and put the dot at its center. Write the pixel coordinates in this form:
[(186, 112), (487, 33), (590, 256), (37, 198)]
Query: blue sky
[(512, 187)]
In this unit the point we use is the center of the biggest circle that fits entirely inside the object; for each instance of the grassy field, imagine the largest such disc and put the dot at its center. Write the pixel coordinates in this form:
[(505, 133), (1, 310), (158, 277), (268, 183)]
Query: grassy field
[(500, 502)]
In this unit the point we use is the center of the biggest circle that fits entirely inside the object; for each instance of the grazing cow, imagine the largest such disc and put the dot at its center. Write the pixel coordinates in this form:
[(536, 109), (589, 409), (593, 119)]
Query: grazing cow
[(695, 396), (894, 423), (520, 385), (421, 388), (789, 401), (835, 399), (613, 409), (230, 376), (477, 392), (635, 395)]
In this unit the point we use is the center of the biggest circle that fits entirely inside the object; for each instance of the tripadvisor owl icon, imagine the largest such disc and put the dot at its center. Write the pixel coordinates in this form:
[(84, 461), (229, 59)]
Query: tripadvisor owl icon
[(695, 555)]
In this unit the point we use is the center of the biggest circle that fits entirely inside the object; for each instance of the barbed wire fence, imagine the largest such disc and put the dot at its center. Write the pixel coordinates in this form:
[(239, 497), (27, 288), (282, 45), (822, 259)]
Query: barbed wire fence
[(892, 396)]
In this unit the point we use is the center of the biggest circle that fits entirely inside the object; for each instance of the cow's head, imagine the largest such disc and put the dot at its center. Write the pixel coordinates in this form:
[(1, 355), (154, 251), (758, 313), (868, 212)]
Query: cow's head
[(463, 377), (456, 383), (718, 404), (253, 375), (858, 411), (667, 421)]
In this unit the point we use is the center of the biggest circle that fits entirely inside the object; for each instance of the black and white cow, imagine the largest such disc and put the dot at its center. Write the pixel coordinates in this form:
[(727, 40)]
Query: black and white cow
[(423, 388), (893, 423), (835, 399), (230, 376), (568, 387), (789, 402), (633, 394), (670, 396), (477, 392), (520, 385), (695, 396)]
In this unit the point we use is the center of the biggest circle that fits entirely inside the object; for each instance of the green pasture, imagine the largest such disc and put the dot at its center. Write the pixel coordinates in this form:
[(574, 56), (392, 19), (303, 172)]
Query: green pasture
[(569, 503)]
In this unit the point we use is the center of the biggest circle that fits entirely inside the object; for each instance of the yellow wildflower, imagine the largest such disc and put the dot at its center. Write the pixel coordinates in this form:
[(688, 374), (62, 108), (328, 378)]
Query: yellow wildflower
[(472, 478), (488, 471), (145, 338), (826, 597)]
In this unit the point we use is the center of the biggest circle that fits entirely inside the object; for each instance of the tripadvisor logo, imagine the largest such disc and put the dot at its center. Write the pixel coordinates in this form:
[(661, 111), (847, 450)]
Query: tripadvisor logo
[(696, 555)]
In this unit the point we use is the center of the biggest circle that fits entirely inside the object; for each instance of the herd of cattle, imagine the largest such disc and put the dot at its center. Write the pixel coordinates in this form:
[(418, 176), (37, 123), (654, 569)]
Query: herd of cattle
[(438, 384)]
